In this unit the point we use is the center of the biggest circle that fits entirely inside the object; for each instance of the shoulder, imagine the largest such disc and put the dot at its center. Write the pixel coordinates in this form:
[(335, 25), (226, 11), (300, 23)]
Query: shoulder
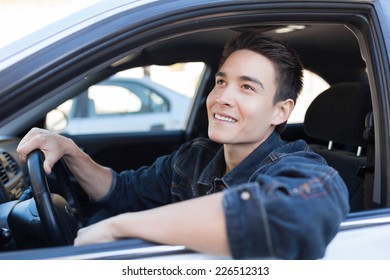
[(298, 150), (295, 146)]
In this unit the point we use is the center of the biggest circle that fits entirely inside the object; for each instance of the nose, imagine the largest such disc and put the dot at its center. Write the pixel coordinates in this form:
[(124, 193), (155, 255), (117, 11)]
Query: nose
[(225, 97)]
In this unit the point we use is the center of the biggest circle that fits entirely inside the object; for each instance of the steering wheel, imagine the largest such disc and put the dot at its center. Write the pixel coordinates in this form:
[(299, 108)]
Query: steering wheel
[(57, 216)]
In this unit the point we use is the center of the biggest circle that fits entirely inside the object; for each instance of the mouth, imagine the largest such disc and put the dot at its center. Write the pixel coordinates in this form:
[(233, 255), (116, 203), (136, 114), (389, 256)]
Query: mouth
[(224, 118)]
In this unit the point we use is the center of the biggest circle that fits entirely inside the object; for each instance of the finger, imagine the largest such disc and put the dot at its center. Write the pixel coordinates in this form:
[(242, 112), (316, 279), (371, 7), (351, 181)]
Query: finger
[(47, 167), (24, 148), (80, 240), (27, 146), (42, 140), (31, 134)]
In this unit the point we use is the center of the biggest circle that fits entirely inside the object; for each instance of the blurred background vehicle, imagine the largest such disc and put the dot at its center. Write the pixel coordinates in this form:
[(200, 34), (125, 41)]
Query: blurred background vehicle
[(121, 105)]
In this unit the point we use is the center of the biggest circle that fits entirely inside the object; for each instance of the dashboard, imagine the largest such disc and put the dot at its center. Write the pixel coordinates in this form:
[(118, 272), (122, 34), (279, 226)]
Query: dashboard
[(13, 180)]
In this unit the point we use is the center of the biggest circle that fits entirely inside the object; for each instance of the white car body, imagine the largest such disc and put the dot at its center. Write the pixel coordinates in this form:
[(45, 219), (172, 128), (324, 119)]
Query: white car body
[(172, 117)]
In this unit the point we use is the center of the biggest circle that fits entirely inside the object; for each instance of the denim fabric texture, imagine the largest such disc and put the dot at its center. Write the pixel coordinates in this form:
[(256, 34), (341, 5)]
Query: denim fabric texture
[(283, 201)]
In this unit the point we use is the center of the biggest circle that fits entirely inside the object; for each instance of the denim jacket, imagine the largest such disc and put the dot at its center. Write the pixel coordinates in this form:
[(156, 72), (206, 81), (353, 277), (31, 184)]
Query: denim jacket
[(282, 201)]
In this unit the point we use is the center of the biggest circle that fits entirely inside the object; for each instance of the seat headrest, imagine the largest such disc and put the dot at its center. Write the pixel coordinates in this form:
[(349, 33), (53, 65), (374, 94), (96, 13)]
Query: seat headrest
[(338, 114)]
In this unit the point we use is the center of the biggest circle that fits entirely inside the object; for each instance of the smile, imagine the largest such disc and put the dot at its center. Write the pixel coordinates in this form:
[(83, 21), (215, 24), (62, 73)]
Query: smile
[(225, 119)]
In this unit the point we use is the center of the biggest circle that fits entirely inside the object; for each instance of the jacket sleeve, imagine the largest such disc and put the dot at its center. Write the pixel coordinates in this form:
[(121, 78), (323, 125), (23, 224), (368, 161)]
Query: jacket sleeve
[(291, 211), (141, 189)]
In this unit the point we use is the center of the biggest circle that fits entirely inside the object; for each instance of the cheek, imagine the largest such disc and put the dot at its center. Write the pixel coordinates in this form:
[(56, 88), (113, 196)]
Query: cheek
[(210, 101), (257, 113), (208, 106)]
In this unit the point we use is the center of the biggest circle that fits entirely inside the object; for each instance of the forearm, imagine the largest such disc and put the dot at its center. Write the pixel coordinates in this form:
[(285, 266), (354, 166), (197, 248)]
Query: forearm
[(198, 224), (93, 178)]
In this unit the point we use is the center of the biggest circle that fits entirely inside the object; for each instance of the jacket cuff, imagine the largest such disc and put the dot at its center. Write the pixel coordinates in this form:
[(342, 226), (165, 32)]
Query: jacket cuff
[(247, 224), (105, 199)]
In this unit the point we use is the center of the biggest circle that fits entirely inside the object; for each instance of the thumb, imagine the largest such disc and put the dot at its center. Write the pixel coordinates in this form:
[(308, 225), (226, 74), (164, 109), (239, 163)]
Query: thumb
[(47, 166)]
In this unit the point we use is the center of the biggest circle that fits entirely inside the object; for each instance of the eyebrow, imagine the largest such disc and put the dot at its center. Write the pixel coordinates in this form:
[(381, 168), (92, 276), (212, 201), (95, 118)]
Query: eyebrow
[(243, 78)]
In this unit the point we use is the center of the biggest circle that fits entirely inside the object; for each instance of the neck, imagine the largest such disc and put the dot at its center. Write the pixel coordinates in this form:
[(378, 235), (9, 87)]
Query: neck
[(234, 154)]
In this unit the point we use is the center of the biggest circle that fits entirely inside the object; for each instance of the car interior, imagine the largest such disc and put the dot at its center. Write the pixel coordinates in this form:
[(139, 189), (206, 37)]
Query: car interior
[(337, 124), (334, 123)]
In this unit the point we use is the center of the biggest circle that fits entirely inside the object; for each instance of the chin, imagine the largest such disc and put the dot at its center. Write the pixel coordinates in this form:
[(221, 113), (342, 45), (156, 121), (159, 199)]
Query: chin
[(214, 137), (219, 138)]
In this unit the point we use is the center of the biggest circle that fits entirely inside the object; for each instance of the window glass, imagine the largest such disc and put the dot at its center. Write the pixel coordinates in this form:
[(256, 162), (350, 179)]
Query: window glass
[(139, 99), (313, 85), (107, 99)]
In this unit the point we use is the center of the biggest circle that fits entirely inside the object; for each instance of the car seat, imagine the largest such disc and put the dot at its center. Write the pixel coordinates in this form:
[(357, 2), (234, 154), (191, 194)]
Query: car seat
[(337, 116)]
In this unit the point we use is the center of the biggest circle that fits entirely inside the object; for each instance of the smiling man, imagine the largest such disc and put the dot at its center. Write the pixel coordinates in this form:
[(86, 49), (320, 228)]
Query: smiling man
[(242, 192), (241, 108)]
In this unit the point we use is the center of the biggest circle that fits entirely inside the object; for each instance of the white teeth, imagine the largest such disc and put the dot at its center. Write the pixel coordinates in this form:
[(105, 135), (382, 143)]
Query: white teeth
[(226, 119)]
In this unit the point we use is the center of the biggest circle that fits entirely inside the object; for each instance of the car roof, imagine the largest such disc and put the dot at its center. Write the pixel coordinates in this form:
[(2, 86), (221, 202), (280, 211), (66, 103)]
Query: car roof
[(98, 12)]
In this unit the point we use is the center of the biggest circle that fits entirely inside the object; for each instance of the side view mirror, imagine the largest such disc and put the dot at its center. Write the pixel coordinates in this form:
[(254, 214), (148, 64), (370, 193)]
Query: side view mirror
[(56, 120)]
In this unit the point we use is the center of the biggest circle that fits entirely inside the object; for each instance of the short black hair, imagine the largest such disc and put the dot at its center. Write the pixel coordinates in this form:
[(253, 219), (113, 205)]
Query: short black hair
[(288, 66)]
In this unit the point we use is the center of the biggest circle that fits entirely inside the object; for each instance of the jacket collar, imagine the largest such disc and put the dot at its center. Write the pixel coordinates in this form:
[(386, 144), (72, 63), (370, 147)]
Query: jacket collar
[(242, 173)]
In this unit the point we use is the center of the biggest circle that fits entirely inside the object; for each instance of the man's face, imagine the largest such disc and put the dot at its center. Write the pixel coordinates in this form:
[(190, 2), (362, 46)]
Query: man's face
[(240, 107)]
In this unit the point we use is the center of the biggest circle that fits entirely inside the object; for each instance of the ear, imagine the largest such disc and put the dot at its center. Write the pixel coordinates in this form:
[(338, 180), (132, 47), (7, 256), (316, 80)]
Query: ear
[(283, 111)]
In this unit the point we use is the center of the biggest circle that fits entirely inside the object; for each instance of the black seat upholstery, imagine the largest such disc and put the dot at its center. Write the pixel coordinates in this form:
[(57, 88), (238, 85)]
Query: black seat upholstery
[(338, 116)]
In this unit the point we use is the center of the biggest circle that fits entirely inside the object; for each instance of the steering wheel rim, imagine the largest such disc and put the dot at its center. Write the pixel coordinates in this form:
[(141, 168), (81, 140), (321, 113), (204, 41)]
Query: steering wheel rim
[(62, 173), (57, 218)]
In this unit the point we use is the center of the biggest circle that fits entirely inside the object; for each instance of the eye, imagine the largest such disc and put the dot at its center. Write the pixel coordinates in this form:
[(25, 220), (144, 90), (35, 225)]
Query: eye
[(220, 82), (248, 87)]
